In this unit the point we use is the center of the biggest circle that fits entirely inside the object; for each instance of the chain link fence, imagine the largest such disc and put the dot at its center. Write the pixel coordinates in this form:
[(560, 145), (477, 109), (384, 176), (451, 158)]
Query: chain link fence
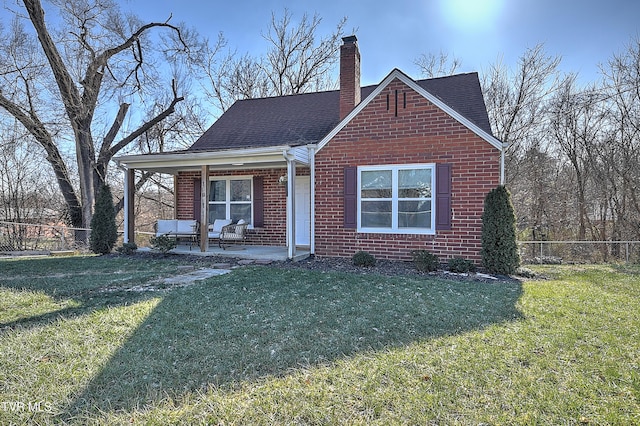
[(545, 252), (22, 237), (19, 237)]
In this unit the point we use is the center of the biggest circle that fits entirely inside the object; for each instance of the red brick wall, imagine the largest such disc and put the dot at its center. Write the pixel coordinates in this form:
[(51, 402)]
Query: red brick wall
[(184, 194), (421, 133), (274, 230)]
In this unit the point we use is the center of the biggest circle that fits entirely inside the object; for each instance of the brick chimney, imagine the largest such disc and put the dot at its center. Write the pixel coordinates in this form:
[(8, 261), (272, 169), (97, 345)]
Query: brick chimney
[(349, 75)]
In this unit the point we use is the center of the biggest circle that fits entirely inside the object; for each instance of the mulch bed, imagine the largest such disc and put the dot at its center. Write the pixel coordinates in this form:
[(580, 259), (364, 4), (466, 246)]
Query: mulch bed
[(334, 264)]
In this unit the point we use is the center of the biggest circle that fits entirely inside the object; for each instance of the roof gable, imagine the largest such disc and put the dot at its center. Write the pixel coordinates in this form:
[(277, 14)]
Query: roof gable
[(477, 113)]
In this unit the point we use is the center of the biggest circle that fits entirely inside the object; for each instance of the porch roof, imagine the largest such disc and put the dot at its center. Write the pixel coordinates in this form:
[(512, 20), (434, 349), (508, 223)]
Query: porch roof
[(225, 159)]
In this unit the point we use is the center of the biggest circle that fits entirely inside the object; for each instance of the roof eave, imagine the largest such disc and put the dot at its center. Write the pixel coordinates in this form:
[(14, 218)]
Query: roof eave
[(233, 159)]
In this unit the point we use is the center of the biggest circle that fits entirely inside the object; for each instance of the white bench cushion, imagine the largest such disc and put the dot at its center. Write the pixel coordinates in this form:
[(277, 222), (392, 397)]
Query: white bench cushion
[(175, 227), (218, 224), (185, 227), (166, 227)]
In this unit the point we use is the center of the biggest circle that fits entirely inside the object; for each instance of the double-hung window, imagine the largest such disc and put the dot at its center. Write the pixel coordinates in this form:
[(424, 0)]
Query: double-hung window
[(231, 198), (396, 199)]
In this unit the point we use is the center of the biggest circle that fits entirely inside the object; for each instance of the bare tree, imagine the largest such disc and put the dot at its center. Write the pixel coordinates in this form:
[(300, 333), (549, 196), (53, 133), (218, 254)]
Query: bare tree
[(537, 194), (27, 194), (576, 121), (516, 100), (621, 150), (431, 65), (297, 60), (235, 78), (61, 84)]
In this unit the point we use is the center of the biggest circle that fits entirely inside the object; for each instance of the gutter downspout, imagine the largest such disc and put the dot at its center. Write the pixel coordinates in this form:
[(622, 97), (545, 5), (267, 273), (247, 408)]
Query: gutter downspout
[(505, 145)]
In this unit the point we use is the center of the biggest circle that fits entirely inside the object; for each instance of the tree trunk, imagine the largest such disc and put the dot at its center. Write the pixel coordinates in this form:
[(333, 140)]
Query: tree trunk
[(80, 99)]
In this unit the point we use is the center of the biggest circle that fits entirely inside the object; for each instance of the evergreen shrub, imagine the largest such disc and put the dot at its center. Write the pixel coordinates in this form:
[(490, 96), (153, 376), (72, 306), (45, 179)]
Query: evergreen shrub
[(363, 258), (104, 231), (127, 248), (460, 265), (425, 261), (163, 243), (499, 248)]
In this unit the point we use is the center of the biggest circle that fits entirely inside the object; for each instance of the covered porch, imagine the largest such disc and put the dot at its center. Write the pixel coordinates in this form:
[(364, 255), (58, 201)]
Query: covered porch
[(295, 215)]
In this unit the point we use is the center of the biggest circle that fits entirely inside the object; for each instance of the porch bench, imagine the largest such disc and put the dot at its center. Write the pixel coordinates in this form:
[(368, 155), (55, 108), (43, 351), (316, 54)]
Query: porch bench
[(179, 228)]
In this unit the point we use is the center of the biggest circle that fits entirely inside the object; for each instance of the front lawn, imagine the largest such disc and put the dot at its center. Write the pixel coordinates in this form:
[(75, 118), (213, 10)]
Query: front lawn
[(80, 344)]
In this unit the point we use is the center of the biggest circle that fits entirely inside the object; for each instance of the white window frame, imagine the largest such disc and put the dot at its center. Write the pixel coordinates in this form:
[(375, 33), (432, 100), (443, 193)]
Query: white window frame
[(228, 202), (394, 168)]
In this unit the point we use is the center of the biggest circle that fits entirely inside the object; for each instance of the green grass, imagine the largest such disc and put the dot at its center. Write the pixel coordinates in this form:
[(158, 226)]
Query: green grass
[(272, 346)]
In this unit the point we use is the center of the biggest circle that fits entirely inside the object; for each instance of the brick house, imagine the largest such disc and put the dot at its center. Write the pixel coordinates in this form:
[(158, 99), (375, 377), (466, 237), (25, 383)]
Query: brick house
[(390, 168)]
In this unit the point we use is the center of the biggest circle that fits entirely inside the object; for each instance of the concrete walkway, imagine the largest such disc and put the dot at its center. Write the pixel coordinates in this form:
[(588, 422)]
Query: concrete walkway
[(181, 280), (191, 277)]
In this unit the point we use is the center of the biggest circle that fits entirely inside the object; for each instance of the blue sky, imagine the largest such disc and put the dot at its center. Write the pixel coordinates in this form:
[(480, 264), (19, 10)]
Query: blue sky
[(584, 32)]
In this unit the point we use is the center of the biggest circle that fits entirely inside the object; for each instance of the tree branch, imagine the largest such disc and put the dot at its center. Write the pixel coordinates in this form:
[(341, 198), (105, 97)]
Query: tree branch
[(143, 179), (146, 126), (113, 131), (68, 91), (95, 71)]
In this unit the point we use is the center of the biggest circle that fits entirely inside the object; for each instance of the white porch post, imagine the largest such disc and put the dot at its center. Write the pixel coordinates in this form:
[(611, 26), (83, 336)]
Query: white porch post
[(129, 220), (204, 208), (291, 207), (126, 206), (312, 182)]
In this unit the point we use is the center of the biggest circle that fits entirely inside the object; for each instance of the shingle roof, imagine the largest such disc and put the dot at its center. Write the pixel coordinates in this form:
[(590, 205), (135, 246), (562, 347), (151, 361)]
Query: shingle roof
[(307, 118), (463, 93)]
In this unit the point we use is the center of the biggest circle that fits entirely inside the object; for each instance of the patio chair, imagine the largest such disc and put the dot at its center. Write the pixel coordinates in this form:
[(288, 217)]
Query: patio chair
[(233, 232), (216, 228)]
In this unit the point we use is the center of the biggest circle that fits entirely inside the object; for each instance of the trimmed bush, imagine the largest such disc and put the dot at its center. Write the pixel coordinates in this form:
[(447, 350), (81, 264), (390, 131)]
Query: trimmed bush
[(525, 272), (363, 258), (104, 231), (127, 248), (425, 261), (499, 249), (163, 243), (460, 265)]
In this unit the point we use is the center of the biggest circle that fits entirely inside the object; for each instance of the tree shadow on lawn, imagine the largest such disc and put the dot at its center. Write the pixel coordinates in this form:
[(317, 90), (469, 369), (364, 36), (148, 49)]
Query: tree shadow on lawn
[(71, 291), (261, 321)]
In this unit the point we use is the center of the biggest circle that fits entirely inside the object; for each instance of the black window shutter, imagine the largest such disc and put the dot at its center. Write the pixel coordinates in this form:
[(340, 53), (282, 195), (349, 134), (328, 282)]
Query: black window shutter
[(197, 193), (351, 197), (258, 201), (443, 197)]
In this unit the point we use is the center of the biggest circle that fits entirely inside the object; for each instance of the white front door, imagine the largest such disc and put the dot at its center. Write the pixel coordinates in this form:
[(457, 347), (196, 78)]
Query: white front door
[(303, 210)]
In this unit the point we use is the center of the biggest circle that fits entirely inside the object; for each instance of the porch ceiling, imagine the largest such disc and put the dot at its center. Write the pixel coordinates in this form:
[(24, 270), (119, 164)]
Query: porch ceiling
[(172, 163)]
